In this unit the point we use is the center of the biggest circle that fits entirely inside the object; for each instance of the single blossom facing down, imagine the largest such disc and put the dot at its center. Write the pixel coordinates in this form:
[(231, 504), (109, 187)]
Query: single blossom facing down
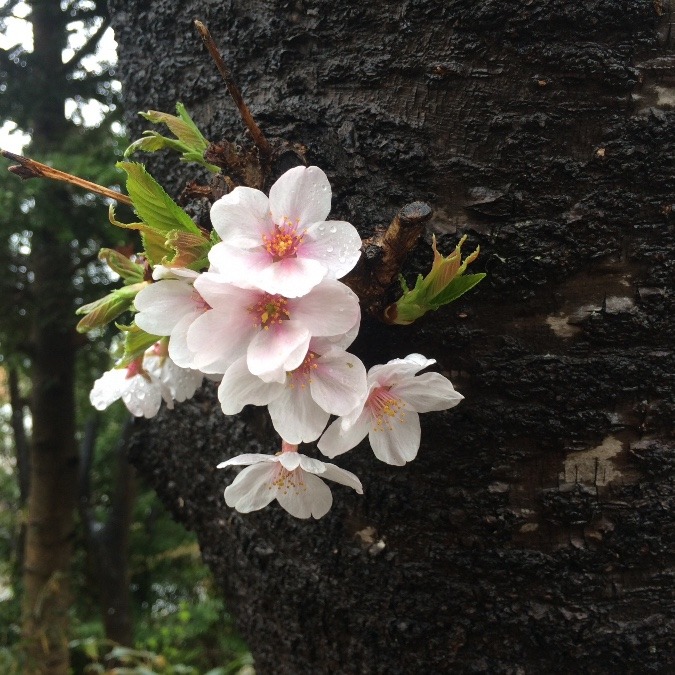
[(272, 331), (283, 244), (329, 381), (389, 413), (144, 383), (293, 479)]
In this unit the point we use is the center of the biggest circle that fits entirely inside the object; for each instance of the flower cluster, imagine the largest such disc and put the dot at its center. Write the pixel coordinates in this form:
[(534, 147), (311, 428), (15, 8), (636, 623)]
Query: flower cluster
[(269, 317)]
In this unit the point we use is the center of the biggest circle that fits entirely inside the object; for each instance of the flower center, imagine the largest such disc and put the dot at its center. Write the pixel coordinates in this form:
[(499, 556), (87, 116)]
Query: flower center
[(286, 480), (284, 241), (269, 310), (385, 408), (302, 375)]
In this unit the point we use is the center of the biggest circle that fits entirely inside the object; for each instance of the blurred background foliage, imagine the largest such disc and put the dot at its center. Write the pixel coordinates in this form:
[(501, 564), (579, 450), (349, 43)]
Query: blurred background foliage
[(179, 624)]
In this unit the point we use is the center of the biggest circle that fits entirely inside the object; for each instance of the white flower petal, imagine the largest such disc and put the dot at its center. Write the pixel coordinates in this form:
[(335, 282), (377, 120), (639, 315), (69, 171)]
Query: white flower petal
[(336, 440), (427, 392), (162, 304), (142, 398), (270, 349), (218, 336), (290, 277), (397, 369), (312, 498), (289, 460), (251, 489), (398, 443), (296, 417), (302, 195), (315, 466), (179, 352), (335, 473), (242, 217), (239, 387), (331, 308), (339, 382), (247, 458), (335, 243), (239, 266)]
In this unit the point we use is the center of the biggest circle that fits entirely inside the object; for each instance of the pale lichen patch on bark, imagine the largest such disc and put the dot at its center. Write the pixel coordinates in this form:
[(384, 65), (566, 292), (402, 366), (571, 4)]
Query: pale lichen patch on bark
[(595, 466)]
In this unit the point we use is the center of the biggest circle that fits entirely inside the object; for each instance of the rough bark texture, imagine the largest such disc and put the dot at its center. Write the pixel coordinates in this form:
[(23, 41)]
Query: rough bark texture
[(535, 532)]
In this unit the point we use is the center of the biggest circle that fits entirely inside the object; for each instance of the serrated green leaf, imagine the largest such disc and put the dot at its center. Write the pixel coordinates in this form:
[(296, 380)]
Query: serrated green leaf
[(157, 210), (189, 250)]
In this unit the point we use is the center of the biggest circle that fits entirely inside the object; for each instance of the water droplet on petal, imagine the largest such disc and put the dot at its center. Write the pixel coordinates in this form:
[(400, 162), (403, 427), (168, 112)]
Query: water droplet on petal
[(329, 249), (333, 229)]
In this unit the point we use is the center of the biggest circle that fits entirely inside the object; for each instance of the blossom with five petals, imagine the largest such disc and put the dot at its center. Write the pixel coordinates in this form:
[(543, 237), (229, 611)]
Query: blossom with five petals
[(273, 331), (293, 479), (283, 244), (388, 414), (329, 381)]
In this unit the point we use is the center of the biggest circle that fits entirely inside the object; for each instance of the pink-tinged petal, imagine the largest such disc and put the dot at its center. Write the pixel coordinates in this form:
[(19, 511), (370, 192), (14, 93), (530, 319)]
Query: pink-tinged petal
[(335, 243), (302, 195), (289, 460), (296, 417), (312, 499), (251, 489), (240, 266), (397, 369), (339, 383), (223, 295), (290, 277), (241, 217), (320, 345), (427, 392), (239, 388), (162, 304), (247, 458), (218, 337), (338, 475), (270, 349), (331, 308), (400, 442), (336, 440)]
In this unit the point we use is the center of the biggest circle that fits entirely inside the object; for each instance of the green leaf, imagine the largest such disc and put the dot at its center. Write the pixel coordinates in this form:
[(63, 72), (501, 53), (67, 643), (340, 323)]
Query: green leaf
[(157, 210), (131, 272), (104, 310), (456, 288), (189, 250), (136, 342)]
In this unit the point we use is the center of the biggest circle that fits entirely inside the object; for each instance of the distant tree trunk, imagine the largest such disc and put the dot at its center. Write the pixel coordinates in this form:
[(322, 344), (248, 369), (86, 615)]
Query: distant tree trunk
[(53, 464), (534, 533), (108, 542)]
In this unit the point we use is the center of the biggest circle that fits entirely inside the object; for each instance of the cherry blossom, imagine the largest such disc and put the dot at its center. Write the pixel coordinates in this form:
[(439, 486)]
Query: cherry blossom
[(144, 383), (329, 381), (271, 330), (293, 479), (283, 245), (388, 414)]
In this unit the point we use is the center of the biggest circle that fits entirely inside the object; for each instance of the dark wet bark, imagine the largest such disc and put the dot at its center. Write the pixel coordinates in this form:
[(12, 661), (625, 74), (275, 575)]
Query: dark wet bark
[(534, 533)]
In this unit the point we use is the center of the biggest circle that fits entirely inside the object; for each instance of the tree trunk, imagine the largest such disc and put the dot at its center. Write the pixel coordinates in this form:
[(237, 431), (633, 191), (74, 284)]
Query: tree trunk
[(53, 462), (534, 532)]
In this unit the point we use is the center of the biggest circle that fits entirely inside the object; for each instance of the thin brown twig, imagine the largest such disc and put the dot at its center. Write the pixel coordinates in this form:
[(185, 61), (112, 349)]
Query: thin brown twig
[(258, 137), (30, 168)]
